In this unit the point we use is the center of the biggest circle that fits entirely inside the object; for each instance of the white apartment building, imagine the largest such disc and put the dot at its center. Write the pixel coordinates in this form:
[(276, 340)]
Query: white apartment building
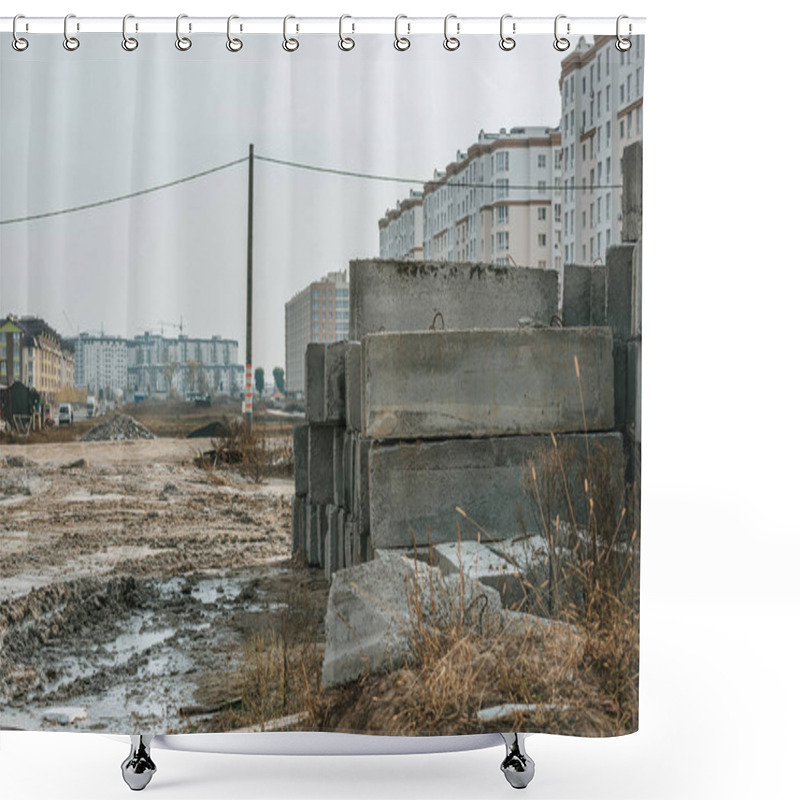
[(157, 364), (401, 229), (499, 202), (601, 113), (101, 362), (318, 313)]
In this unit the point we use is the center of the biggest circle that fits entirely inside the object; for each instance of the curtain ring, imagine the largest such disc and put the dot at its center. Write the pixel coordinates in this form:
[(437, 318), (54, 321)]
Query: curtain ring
[(451, 42), (623, 44), (561, 43), (345, 42), (18, 43), (234, 45), (401, 42), (181, 42), (507, 42), (289, 45), (70, 42), (128, 42)]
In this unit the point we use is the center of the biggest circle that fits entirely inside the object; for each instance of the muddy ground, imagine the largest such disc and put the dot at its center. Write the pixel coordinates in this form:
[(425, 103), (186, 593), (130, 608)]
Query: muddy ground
[(130, 579)]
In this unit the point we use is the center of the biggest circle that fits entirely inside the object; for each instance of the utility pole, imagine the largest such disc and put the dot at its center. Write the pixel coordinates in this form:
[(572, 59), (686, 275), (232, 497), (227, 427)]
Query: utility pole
[(248, 368)]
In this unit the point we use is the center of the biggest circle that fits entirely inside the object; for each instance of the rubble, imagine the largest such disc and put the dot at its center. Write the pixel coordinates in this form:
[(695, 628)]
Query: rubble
[(119, 427)]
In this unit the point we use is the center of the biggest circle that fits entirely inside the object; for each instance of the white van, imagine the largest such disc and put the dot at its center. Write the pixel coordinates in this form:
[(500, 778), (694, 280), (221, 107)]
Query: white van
[(65, 416)]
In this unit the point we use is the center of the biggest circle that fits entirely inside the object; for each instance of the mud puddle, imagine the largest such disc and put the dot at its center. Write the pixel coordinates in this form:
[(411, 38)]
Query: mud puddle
[(121, 654)]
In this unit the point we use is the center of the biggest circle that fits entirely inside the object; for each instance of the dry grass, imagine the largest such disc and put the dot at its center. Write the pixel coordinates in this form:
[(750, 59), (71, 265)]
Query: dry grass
[(250, 452)]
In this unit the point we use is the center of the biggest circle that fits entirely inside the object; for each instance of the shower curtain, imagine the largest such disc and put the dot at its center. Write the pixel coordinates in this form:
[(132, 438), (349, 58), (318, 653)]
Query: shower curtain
[(320, 381)]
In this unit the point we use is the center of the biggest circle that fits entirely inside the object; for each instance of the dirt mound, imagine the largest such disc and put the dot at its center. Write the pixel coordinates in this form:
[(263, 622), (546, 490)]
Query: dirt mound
[(214, 430), (120, 426)]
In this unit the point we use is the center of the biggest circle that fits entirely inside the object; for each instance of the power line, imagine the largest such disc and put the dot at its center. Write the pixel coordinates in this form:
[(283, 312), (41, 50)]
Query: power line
[(121, 197), (310, 168)]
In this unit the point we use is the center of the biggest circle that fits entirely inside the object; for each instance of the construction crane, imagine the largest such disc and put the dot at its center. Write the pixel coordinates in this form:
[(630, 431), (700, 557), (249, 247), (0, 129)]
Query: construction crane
[(177, 325)]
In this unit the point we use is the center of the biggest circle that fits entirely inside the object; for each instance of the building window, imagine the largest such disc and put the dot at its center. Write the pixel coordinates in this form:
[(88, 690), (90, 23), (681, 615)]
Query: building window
[(502, 241), (502, 215), (501, 163), (501, 189), (542, 239), (622, 93), (542, 160), (541, 213), (540, 185), (542, 264)]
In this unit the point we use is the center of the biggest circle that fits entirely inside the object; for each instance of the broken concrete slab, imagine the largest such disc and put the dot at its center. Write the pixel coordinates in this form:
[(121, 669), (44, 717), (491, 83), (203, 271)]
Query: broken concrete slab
[(484, 383), (416, 488), (374, 607), (475, 561), (393, 295)]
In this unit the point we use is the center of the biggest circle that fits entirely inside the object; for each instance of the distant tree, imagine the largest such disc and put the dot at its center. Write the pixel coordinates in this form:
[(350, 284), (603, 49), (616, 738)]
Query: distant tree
[(278, 375), (260, 380)]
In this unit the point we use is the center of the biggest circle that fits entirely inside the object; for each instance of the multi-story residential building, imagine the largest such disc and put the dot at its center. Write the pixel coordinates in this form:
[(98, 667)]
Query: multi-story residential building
[(401, 229), (186, 366), (318, 313), (101, 362), (499, 202), (494, 203), (34, 353), (601, 113)]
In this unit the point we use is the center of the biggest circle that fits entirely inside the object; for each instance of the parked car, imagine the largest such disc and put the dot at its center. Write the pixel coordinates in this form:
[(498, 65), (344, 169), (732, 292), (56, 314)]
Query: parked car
[(65, 415)]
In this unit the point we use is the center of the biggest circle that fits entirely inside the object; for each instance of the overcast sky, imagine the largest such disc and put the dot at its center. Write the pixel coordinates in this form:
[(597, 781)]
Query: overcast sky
[(81, 127)]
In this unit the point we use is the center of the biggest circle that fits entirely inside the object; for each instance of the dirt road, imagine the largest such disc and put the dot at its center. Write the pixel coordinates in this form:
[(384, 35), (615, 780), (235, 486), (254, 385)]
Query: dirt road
[(129, 577)]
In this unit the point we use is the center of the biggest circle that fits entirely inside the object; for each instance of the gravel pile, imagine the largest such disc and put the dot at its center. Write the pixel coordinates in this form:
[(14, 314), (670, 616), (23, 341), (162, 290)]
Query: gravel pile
[(120, 426)]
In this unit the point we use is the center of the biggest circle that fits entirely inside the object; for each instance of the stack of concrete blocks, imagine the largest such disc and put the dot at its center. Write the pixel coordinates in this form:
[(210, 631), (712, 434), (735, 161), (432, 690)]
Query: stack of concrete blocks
[(449, 418), (611, 295)]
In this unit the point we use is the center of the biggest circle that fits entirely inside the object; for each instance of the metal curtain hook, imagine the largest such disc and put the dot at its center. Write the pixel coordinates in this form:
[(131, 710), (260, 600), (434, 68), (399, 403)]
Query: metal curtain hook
[(181, 42), (401, 42), (507, 42), (561, 43), (345, 42), (451, 42), (128, 42), (18, 43), (70, 42), (289, 45), (622, 43), (233, 44)]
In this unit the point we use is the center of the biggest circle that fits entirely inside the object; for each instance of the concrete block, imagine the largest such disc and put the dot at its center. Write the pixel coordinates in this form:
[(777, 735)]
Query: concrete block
[(637, 289), (597, 295), (632, 192), (335, 397), (300, 441), (315, 382), (406, 296), (311, 534), (332, 543), (337, 465), (619, 290), (575, 311), (620, 385), (416, 488), (353, 388), (320, 463), (342, 557), (322, 532), (298, 524), (633, 412), (584, 296), (347, 470), (454, 384), (361, 483)]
